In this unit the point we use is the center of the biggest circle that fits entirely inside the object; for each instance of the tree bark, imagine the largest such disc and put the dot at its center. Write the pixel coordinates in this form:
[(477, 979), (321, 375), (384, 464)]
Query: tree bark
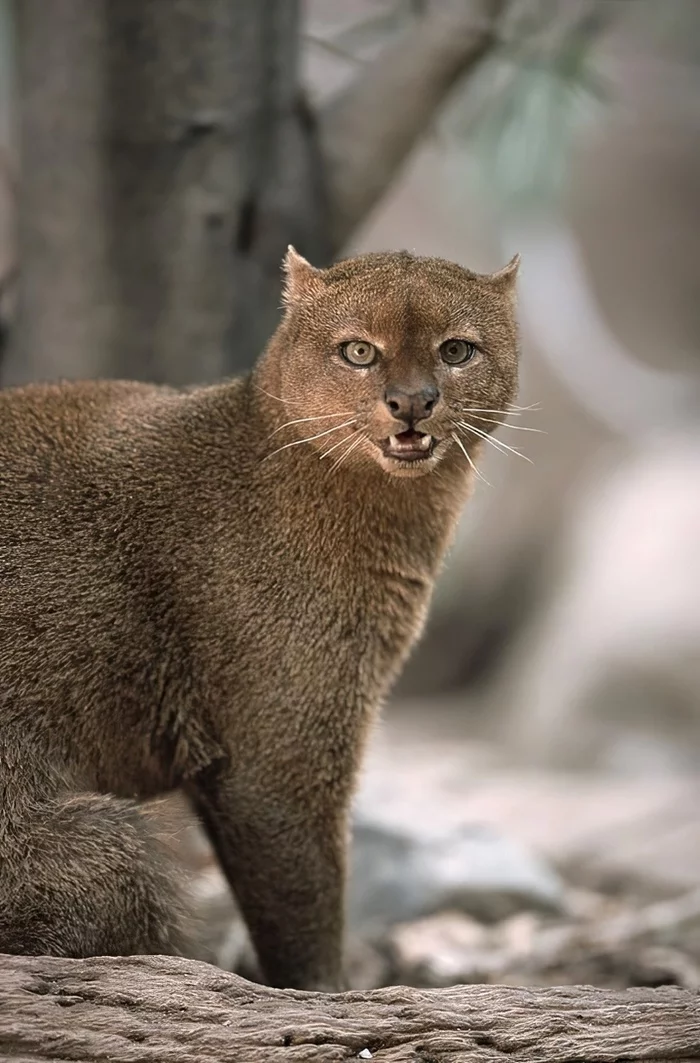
[(65, 313), (138, 1009), (168, 158), (166, 165)]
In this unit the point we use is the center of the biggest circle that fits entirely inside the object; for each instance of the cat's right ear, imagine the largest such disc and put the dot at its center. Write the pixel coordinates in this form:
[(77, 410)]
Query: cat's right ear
[(505, 278), (300, 277)]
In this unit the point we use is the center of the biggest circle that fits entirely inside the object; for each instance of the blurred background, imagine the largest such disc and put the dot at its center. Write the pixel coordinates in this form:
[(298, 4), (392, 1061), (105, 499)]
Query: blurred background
[(530, 806)]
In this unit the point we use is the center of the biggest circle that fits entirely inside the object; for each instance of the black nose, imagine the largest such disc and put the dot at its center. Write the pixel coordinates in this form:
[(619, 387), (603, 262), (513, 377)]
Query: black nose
[(411, 406)]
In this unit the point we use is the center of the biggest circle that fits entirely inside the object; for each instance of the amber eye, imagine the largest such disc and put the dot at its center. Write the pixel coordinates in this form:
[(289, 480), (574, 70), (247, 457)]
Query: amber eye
[(457, 352), (359, 352)]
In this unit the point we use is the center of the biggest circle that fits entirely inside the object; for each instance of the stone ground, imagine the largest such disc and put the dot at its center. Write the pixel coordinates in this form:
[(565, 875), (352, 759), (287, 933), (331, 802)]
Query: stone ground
[(468, 869)]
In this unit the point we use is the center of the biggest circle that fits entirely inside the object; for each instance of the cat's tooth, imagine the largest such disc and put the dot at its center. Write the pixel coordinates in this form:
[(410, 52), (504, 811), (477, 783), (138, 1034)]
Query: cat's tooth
[(393, 441), (424, 442)]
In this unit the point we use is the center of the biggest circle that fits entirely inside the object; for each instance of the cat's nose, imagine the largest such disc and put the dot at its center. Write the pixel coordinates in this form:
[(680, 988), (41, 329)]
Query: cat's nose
[(411, 406)]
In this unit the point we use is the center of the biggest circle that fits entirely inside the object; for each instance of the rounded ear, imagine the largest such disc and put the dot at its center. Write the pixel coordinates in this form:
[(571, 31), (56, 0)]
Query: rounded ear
[(505, 278), (300, 277)]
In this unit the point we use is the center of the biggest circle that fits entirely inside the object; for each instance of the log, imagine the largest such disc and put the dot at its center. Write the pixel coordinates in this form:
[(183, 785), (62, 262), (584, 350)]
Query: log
[(142, 1009)]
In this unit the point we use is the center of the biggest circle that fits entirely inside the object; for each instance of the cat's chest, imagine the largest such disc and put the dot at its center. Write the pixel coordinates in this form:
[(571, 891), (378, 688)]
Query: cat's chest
[(383, 622), (334, 584), (335, 601), (376, 580), (380, 608)]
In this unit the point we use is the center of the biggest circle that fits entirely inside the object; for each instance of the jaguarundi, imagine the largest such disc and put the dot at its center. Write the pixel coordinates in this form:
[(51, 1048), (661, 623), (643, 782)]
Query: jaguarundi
[(213, 589)]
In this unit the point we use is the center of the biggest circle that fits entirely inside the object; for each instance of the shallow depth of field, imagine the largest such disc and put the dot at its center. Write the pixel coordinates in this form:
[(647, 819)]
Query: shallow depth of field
[(529, 809)]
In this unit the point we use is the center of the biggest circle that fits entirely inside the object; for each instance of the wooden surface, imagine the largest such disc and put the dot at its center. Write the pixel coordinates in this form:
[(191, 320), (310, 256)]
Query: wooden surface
[(135, 1009)]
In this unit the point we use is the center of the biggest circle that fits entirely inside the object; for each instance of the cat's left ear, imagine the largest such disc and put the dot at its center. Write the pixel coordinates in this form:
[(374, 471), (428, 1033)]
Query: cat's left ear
[(505, 278), (300, 277)]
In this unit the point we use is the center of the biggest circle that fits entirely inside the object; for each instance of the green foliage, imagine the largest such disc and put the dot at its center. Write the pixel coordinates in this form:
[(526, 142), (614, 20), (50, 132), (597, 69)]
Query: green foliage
[(514, 122)]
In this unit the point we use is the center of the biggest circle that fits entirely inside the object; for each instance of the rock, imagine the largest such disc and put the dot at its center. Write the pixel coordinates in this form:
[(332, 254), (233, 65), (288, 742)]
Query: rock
[(602, 943), (599, 829), (452, 948), (397, 875), (417, 849)]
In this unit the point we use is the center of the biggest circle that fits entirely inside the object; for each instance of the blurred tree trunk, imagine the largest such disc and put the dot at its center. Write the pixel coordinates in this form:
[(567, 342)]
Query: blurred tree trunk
[(166, 164), (168, 158)]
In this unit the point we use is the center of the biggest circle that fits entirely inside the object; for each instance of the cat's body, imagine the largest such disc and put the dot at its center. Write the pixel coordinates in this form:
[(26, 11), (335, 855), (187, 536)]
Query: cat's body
[(182, 607)]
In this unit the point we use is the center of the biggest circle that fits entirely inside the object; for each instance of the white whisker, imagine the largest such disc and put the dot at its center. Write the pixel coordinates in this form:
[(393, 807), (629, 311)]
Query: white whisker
[(488, 438), (319, 417), (464, 450), (477, 409), (481, 409), (287, 402), (345, 454), (515, 411), (515, 427), (298, 442), (346, 439), (498, 443)]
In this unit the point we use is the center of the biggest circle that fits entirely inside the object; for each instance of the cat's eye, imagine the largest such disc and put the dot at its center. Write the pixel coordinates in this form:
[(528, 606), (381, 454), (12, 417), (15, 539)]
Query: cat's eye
[(359, 352), (457, 352)]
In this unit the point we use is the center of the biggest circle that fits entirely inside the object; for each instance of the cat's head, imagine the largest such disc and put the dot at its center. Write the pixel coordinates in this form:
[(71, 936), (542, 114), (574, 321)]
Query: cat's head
[(394, 359)]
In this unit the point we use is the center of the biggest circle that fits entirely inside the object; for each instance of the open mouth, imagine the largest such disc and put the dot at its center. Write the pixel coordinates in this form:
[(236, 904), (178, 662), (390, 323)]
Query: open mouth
[(408, 446)]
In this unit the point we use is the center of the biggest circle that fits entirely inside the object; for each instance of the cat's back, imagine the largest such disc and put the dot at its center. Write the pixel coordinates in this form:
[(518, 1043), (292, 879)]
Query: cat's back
[(68, 451), (85, 473), (64, 425)]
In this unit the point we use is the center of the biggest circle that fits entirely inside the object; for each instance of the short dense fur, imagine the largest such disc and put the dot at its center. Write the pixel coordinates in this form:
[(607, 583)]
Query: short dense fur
[(184, 604)]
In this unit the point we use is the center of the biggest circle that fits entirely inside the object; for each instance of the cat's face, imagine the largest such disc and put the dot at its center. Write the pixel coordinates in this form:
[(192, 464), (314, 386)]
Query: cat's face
[(395, 359)]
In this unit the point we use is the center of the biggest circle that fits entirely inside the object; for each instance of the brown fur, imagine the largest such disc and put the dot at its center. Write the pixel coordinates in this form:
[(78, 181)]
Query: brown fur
[(182, 607)]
